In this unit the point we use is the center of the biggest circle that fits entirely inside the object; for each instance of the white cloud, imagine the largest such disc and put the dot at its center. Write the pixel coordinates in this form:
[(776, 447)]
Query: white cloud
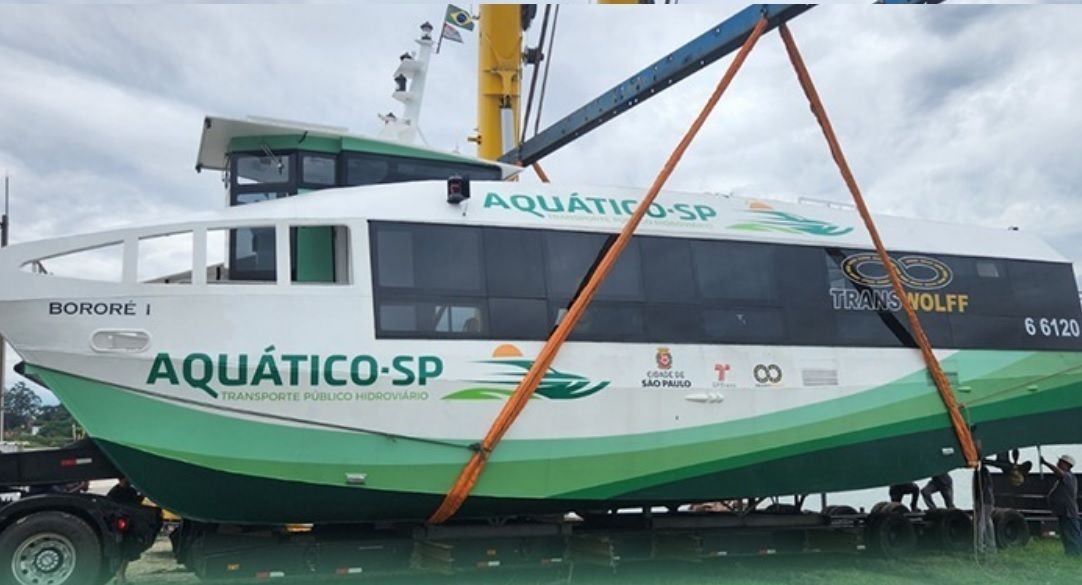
[(957, 113)]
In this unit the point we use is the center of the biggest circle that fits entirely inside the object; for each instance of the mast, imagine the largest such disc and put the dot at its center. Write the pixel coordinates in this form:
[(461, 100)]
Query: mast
[(409, 79), (5, 226), (499, 75)]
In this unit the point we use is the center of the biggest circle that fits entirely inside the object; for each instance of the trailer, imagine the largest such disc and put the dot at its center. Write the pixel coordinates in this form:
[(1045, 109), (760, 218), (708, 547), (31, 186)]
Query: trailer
[(1030, 498), (53, 534), (49, 536), (612, 540)]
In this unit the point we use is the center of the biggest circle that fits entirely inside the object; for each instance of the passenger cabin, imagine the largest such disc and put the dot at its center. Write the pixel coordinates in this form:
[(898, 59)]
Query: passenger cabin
[(263, 160), (703, 268)]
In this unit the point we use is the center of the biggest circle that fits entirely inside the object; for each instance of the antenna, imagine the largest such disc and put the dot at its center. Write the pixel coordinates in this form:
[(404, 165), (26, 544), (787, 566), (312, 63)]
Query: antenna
[(5, 227), (409, 88)]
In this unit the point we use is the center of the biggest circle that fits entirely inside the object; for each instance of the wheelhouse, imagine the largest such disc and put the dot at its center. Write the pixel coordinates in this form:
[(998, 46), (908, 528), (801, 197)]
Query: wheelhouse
[(264, 160)]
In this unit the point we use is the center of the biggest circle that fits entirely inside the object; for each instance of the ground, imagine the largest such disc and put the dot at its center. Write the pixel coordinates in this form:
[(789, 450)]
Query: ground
[(1042, 562)]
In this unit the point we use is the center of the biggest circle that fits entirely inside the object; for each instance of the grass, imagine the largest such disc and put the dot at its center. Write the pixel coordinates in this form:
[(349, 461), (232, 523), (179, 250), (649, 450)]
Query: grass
[(1041, 562)]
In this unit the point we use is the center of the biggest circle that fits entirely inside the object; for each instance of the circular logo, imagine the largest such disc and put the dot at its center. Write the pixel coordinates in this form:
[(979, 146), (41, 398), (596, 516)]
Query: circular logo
[(663, 358), (916, 272), (767, 373), (461, 17)]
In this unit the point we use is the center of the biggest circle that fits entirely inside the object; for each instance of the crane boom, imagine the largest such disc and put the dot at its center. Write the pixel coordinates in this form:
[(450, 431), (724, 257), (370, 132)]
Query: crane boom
[(719, 41)]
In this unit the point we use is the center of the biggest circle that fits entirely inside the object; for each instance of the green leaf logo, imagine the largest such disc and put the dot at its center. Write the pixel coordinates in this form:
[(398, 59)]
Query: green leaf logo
[(555, 385), (769, 220)]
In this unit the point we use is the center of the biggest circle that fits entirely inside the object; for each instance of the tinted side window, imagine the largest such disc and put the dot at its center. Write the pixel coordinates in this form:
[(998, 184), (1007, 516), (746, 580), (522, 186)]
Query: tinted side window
[(429, 257), (448, 258), (873, 328), (937, 326), (394, 256), (735, 270), (499, 283), (518, 318), (986, 331), (370, 169), (670, 322), (668, 270), (250, 169), (570, 256), (514, 264), (458, 318), (360, 171), (252, 254), (1041, 288), (606, 322), (804, 294), (415, 170), (319, 170), (744, 325)]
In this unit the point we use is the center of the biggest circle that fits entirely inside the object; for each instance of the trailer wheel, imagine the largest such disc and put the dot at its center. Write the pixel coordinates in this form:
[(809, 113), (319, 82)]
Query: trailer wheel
[(890, 508), (1011, 528), (890, 535), (782, 509), (840, 511), (50, 548), (947, 529)]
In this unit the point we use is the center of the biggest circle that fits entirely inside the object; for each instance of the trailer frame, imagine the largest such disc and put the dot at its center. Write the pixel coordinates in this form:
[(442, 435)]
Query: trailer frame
[(44, 507)]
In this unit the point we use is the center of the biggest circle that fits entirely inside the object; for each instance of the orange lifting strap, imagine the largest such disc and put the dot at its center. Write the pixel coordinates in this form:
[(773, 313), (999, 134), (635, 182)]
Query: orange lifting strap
[(961, 429), (472, 471), (540, 173)]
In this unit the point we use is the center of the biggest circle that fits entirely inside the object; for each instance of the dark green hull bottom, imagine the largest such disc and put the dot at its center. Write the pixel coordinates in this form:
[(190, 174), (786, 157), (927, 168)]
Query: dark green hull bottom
[(225, 497)]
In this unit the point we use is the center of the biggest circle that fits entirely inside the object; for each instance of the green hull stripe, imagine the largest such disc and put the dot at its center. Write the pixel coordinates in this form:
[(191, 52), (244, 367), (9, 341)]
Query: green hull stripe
[(593, 468), (237, 498)]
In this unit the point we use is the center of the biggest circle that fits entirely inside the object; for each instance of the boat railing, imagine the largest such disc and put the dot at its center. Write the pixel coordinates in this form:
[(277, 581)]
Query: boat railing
[(190, 254)]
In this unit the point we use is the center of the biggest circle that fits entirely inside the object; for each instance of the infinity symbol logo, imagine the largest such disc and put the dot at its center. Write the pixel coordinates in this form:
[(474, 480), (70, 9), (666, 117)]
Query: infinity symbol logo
[(916, 272)]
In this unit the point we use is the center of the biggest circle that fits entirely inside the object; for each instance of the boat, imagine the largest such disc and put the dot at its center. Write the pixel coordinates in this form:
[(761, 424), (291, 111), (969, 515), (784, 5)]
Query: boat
[(741, 348), (359, 338)]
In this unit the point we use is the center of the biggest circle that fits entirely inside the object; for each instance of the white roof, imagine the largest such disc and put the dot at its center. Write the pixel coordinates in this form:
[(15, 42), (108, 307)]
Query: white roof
[(219, 132)]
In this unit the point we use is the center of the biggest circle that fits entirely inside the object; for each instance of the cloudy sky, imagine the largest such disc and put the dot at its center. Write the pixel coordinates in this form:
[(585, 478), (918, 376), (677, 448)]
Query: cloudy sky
[(953, 113)]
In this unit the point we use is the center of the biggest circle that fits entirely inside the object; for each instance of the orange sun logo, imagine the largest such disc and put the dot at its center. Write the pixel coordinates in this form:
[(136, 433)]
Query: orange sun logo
[(506, 350)]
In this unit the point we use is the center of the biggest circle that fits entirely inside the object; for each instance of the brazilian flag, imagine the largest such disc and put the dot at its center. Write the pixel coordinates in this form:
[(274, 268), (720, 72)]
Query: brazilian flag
[(459, 17)]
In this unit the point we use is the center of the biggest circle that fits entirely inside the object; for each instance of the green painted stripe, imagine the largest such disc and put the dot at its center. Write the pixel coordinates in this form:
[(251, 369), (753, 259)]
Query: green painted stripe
[(285, 142), (581, 467), (344, 143)]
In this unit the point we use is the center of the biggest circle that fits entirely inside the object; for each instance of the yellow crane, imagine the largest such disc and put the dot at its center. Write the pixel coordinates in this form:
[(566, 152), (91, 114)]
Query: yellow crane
[(499, 78)]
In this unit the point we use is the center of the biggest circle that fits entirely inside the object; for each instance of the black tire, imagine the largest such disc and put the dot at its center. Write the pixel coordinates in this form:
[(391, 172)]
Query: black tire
[(890, 508), (840, 511), (1011, 528), (935, 514), (782, 509), (890, 535), (56, 547), (949, 530)]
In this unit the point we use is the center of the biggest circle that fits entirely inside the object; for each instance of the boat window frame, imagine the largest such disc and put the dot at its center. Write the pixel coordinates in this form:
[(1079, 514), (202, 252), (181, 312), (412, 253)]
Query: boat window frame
[(472, 171), (235, 187), (798, 318), (304, 183), (251, 276)]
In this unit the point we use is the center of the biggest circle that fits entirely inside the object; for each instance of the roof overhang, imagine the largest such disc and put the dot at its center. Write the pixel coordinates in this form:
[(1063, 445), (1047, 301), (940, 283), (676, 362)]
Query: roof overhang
[(221, 134)]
